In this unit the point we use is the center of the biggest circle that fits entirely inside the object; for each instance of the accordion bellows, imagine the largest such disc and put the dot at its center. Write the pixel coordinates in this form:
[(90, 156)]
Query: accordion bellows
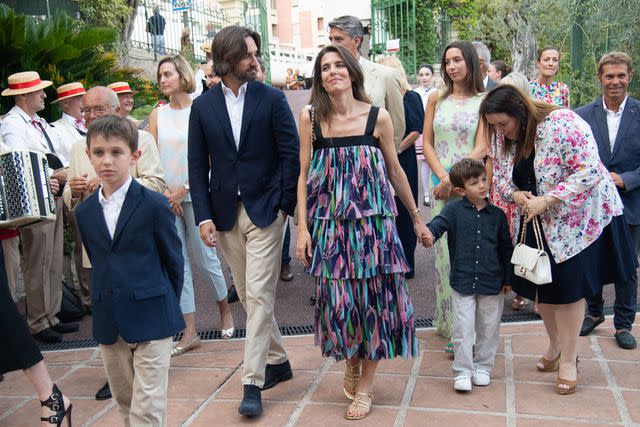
[(25, 194)]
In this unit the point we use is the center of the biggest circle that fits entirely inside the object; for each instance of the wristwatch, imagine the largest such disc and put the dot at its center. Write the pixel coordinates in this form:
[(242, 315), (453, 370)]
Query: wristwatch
[(186, 187)]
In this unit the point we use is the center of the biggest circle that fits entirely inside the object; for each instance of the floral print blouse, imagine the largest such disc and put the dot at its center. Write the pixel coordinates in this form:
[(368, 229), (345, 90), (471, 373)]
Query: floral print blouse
[(567, 166), (557, 93)]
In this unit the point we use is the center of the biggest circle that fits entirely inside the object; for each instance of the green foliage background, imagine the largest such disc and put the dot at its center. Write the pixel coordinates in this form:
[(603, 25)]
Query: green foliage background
[(64, 50), (605, 26)]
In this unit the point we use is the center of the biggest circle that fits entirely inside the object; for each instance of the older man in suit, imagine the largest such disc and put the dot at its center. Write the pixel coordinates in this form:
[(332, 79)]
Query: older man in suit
[(381, 83), (615, 122), (484, 55), (243, 171)]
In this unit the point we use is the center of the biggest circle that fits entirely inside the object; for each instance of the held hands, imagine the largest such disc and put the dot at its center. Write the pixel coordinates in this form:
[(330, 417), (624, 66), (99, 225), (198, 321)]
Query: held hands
[(208, 234), (423, 234), (303, 247), (428, 240)]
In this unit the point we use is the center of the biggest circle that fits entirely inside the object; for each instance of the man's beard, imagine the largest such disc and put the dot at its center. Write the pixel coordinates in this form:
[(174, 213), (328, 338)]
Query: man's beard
[(246, 76)]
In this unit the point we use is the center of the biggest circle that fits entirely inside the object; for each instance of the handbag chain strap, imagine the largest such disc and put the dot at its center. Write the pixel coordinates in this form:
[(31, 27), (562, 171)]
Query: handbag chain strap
[(313, 131), (536, 232)]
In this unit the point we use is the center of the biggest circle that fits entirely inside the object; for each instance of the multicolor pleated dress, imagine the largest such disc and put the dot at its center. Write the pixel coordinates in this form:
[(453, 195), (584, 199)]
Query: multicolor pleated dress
[(363, 307)]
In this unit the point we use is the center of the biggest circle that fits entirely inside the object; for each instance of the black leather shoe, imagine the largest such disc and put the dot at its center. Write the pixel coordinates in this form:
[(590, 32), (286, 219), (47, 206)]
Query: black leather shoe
[(285, 273), (65, 328), (273, 374), (588, 325), (251, 405), (48, 335), (232, 295), (625, 340), (104, 393)]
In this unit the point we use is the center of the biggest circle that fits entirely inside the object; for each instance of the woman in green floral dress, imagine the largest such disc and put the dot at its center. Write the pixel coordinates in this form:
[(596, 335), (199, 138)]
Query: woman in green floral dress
[(450, 134)]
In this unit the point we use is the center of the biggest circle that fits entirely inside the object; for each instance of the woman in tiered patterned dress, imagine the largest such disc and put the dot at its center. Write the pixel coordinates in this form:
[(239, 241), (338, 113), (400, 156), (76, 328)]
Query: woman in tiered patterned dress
[(346, 228), (450, 134)]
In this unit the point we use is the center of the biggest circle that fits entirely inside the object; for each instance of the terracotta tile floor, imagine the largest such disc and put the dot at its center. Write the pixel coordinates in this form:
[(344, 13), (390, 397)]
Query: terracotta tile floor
[(205, 390)]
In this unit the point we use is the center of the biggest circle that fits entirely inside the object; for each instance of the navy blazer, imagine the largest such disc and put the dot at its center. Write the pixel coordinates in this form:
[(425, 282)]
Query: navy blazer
[(137, 276), (625, 158), (265, 168)]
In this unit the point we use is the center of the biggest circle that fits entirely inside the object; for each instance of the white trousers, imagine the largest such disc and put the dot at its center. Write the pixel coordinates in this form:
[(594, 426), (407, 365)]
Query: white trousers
[(479, 315)]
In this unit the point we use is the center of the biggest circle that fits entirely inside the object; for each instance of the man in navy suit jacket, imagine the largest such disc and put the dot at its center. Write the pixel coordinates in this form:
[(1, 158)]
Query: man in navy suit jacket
[(130, 236), (243, 172), (615, 122)]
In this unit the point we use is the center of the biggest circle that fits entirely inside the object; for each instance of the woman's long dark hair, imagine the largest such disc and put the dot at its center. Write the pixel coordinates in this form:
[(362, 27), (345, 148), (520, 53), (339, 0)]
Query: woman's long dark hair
[(511, 101), (319, 96), (473, 80)]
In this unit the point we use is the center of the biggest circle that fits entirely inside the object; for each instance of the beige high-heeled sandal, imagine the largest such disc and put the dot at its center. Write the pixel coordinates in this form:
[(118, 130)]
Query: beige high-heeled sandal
[(359, 403), (351, 377)]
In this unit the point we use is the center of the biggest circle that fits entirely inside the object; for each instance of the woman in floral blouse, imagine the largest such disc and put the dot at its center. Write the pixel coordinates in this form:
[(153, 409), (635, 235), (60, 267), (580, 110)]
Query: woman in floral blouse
[(544, 88), (550, 168)]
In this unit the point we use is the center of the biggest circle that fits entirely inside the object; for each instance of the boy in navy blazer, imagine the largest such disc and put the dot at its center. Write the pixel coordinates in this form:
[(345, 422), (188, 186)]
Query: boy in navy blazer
[(130, 236)]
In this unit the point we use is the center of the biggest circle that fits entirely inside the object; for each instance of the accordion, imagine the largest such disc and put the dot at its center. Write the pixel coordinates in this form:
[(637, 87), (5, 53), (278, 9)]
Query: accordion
[(25, 194)]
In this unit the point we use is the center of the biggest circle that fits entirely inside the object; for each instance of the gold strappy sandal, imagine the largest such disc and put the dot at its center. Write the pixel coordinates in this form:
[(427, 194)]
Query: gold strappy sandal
[(359, 403), (351, 377)]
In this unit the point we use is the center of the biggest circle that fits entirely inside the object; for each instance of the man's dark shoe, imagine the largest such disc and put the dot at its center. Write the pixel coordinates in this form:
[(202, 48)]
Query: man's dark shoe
[(104, 393), (273, 374), (625, 340), (588, 325), (251, 405), (48, 335), (232, 295), (285, 273), (65, 328)]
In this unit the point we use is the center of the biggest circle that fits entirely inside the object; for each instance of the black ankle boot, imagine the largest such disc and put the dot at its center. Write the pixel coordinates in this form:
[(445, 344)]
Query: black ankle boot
[(55, 402)]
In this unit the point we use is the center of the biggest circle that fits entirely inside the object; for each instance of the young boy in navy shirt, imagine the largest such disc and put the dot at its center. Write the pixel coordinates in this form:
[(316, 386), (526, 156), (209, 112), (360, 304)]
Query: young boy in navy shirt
[(130, 235), (480, 249)]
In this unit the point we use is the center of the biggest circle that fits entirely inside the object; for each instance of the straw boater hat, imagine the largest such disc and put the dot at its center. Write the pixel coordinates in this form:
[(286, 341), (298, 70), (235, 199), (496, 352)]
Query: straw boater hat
[(206, 47), (120, 87), (69, 91), (25, 82)]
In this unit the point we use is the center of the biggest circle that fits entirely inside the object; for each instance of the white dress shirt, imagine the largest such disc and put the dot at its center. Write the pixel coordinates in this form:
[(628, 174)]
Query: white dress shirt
[(424, 94), (235, 107), (613, 121), (19, 133), (112, 205), (68, 132)]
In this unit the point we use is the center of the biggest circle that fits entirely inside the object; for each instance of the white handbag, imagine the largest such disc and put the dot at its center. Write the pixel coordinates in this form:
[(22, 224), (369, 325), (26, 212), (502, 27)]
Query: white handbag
[(532, 263)]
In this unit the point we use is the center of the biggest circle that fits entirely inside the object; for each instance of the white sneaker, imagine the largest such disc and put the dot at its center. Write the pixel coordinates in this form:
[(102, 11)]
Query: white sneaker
[(462, 383), (481, 378)]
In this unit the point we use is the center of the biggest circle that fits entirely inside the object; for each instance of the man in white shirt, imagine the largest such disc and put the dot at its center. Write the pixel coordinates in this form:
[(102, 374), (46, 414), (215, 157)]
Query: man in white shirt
[(615, 122), (23, 129), (70, 126), (243, 172)]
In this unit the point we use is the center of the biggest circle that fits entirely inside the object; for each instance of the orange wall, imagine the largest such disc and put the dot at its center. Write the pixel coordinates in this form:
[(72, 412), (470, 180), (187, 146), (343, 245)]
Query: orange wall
[(285, 21), (306, 30)]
